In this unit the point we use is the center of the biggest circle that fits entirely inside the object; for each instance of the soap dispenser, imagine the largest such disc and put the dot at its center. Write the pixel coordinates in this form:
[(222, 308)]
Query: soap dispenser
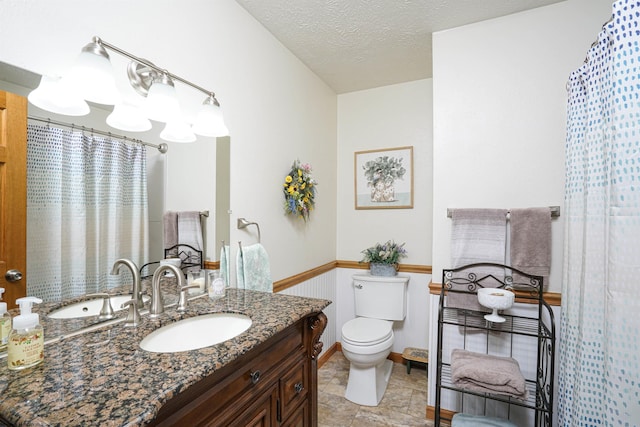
[(5, 323), (26, 341)]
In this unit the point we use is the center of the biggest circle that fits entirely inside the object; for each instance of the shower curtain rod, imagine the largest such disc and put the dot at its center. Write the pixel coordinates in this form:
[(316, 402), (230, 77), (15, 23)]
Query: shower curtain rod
[(596, 41), (162, 148)]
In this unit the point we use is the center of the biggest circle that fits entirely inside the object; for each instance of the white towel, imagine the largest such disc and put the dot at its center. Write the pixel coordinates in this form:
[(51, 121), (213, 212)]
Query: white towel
[(477, 235), (224, 264), (253, 269), (190, 229)]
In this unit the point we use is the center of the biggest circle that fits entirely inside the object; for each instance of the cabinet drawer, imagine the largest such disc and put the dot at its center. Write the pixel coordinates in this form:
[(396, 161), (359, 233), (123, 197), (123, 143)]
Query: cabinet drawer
[(294, 387)]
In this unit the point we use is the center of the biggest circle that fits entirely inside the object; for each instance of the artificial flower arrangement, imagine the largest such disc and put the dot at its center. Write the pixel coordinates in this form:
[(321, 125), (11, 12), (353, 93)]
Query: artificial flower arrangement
[(299, 190), (389, 253)]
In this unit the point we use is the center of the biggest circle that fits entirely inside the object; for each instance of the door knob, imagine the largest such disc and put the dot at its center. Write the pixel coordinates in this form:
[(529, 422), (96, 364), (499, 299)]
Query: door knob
[(13, 276)]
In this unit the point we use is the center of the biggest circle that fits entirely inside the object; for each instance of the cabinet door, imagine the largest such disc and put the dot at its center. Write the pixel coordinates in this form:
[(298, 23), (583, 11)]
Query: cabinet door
[(299, 417), (262, 413)]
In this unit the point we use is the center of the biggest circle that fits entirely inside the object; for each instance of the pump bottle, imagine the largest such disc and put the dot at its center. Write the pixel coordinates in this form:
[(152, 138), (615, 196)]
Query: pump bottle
[(26, 341), (5, 323)]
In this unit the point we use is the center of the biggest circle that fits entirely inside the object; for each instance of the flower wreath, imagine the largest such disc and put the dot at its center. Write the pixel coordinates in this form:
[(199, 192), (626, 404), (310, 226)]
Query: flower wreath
[(299, 190)]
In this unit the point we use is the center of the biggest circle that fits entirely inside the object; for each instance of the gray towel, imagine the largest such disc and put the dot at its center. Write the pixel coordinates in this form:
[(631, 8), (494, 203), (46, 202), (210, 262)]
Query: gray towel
[(477, 235), (170, 227), (487, 374), (531, 240)]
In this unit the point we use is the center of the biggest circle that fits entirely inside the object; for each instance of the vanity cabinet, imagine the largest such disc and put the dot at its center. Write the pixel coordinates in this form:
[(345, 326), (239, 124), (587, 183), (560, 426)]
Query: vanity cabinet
[(274, 384)]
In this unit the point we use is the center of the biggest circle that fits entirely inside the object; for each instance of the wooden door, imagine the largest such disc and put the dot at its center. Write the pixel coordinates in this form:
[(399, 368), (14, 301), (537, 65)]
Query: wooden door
[(13, 196)]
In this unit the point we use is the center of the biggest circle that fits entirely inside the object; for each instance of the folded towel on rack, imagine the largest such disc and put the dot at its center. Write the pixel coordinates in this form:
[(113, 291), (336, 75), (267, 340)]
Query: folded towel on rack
[(487, 374), (253, 269), (466, 420), (224, 263), (477, 235), (170, 229), (531, 240)]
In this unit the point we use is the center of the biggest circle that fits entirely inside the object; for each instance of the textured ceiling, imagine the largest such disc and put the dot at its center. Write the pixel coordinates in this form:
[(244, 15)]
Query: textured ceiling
[(361, 44)]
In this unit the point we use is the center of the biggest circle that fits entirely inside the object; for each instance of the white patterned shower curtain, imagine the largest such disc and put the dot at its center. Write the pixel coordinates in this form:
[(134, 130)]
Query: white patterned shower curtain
[(86, 207), (599, 377)]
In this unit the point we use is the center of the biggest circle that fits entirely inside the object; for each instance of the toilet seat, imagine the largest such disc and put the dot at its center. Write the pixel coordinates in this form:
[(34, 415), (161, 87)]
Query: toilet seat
[(363, 331)]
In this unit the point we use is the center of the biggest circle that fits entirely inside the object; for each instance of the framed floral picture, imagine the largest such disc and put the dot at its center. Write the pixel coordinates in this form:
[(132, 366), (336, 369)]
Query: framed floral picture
[(384, 178)]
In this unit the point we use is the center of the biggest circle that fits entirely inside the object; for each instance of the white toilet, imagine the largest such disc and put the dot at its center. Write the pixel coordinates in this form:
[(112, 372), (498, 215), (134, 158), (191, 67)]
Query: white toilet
[(367, 339)]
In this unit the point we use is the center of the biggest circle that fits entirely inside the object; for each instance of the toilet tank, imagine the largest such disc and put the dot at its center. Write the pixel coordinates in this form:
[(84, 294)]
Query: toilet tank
[(380, 297)]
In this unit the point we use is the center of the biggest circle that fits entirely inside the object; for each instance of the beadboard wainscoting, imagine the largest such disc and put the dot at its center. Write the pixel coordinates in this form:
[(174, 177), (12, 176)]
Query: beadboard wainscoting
[(321, 286)]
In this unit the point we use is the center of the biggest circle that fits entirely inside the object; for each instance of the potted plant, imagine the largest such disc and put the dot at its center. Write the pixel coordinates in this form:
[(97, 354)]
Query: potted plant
[(383, 259)]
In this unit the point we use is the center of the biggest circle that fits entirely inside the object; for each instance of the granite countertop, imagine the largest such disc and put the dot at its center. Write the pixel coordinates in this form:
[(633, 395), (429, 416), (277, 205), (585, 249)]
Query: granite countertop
[(102, 377)]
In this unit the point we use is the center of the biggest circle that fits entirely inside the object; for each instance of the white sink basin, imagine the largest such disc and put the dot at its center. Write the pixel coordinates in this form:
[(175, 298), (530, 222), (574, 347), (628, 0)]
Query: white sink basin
[(90, 307), (196, 332)]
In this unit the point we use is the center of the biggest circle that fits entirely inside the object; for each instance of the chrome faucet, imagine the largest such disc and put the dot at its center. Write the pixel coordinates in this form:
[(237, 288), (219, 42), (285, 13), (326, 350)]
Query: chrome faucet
[(133, 315), (106, 312), (136, 290), (157, 303)]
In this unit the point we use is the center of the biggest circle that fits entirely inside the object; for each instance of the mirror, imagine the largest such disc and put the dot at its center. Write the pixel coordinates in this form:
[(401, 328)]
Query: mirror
[(176, 180)]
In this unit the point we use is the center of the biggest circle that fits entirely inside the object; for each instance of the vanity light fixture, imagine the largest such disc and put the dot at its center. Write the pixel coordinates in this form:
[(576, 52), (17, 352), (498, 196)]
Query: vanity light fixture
[(52, 95), (92, 78)]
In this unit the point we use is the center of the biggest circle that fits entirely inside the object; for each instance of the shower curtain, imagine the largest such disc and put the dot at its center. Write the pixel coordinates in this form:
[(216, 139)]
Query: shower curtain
[(599, 378), (86, 207)]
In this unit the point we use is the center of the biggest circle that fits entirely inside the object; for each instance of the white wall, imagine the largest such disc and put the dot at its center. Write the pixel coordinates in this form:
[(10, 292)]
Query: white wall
[(275, 108), (191, 186), (386, 117), (499, 118), (499, 101)]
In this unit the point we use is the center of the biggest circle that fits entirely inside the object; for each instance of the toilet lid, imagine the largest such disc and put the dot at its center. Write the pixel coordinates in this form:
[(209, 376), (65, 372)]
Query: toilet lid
[(362, 330)]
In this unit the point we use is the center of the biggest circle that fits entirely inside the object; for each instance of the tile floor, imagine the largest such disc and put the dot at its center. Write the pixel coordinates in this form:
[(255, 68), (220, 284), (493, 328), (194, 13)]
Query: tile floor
[(403, 405)]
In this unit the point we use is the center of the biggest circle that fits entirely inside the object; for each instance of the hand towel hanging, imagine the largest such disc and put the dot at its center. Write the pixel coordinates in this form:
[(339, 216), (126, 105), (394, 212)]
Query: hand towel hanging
[(253, 271), (477, 235)]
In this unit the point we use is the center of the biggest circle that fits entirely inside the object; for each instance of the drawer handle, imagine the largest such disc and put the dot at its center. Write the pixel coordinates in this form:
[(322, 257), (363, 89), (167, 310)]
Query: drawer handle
[(255, 377), (298, 388)]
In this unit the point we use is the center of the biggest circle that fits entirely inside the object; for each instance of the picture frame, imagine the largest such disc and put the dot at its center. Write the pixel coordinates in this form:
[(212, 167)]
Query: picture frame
[(384, 178)]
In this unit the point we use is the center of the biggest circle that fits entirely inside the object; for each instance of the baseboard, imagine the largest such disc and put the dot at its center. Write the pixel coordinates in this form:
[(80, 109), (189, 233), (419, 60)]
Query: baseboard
[(394, 357), (327, 354), (431, 414)]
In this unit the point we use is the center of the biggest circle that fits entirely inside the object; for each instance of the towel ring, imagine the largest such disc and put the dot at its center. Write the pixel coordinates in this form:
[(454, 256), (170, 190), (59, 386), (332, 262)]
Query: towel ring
[(243, 223)]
